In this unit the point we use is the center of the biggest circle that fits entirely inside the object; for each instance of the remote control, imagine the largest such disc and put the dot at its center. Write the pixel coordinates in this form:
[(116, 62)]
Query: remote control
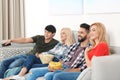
[(3, 45)]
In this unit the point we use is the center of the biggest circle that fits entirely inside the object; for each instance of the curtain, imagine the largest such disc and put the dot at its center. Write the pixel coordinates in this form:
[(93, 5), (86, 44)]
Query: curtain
[(12, 21)]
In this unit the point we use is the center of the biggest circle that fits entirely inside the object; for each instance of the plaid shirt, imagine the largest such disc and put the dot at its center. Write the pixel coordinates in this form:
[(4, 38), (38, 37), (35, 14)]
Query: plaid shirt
[(79, 62)]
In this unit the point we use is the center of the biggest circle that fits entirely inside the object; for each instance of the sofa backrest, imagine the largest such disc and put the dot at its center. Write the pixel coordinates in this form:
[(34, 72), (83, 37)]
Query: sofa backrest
[(75, 34), (18, 45), (115, 50)]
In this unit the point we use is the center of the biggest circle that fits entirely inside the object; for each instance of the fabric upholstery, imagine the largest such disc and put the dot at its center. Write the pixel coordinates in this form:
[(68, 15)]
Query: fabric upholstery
[(85, 75), (106, 68)]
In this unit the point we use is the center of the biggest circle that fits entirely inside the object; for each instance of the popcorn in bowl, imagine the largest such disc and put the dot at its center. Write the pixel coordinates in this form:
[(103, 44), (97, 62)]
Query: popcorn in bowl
[(46, 58)]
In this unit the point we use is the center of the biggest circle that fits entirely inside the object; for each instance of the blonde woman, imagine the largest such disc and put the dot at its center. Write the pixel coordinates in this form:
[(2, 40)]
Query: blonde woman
[(67, 39), (98, 41)]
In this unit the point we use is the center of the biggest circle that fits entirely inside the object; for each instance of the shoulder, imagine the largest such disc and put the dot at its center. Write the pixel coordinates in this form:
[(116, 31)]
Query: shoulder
[(59, 44), (54, 40), (75, 44), (39, 36), (103, 44)]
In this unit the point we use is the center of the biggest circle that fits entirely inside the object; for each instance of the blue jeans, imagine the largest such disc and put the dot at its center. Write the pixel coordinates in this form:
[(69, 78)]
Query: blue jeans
[(37, 72), (31, 60), (66, 75), (15, 61), (42, 71)]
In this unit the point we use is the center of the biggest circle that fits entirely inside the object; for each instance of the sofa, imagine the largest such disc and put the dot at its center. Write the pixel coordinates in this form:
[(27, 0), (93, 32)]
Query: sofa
[(103, 68)]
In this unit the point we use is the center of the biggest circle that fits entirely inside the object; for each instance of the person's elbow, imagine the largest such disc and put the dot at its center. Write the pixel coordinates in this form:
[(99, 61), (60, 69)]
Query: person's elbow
[(28, 40)]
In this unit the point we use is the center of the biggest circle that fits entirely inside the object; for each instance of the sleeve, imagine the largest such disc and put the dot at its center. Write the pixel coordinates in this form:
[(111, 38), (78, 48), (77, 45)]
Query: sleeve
[(65, 58), (35, 38), (83, 66), (67, 55)]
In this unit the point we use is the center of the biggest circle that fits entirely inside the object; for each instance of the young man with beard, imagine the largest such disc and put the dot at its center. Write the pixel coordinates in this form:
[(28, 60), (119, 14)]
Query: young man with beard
[(73, 61)]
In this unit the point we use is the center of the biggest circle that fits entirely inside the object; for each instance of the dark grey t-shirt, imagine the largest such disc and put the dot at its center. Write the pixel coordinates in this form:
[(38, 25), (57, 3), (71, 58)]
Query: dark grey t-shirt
[(41, 46)]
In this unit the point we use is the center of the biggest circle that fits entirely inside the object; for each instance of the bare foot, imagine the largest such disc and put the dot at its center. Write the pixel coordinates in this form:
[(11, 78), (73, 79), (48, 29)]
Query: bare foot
[(5, 79), (8, 78)]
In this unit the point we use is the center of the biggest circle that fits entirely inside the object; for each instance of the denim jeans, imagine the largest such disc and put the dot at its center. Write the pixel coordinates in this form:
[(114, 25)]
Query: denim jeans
[(37, 72), (31, 60), (42, 71), (57, 75), (15, 61), (66, 75)]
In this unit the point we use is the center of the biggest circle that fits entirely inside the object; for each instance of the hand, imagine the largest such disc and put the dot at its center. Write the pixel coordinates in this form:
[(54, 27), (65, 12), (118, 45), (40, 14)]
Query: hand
[(51, 69), (61, 61), (37, 55), (72, 70), (7, 42), (88, 62), (87, 49)]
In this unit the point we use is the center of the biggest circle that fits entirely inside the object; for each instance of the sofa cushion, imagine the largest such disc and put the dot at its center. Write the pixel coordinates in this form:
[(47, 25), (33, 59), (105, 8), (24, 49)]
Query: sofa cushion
[(6, 52), (106, 68), (115, 50)]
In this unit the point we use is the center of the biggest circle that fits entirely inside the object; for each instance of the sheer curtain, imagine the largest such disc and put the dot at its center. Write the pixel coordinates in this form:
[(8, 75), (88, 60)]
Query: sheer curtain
[(12, 19)]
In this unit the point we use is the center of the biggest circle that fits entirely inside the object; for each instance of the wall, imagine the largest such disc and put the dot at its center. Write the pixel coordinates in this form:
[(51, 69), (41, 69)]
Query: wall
[(37, 17)]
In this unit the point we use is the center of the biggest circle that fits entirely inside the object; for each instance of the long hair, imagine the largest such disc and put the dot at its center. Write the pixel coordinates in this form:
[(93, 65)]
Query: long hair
[(101, 31), (70, 38)]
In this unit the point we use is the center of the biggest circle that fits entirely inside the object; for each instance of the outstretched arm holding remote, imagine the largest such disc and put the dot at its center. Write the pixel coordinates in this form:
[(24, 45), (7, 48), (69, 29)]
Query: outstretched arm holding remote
[(18, 40)]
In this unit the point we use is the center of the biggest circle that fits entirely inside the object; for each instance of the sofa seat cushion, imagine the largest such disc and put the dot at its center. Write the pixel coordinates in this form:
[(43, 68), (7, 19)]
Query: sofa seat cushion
[(6, 52)]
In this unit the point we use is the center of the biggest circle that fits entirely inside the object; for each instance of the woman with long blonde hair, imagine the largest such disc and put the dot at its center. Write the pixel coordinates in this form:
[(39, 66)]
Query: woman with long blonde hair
[(99, 45), (61, 48)]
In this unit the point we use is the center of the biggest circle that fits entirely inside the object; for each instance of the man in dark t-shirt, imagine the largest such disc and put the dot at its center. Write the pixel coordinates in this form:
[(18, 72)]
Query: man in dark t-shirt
[(42, 46), (43, 43)]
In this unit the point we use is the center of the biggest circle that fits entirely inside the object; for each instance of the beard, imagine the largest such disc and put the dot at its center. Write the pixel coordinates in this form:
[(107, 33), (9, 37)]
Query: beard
[(83, 39)]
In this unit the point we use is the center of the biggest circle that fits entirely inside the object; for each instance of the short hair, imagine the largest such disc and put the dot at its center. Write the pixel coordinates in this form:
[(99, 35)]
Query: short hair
[(50, 28), (86, 26)]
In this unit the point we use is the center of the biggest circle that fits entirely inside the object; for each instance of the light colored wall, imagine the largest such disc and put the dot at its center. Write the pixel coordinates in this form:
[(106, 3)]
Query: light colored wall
[(37, 17)]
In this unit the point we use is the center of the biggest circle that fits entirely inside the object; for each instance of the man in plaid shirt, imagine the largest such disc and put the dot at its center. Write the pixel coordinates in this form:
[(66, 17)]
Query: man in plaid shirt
[(74, 61)]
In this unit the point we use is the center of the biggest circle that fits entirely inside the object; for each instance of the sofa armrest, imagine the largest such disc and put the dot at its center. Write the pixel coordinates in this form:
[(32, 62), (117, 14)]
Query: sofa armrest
[(13, 49), (106, 68), (85, 74)]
